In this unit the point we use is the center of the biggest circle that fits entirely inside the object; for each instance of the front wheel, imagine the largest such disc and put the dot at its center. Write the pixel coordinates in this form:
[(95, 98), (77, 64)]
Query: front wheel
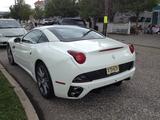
[(10, 55), (44, 81)]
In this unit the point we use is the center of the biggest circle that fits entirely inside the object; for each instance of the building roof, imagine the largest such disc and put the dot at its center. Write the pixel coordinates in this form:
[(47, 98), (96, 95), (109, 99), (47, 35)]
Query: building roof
[(39, 2)]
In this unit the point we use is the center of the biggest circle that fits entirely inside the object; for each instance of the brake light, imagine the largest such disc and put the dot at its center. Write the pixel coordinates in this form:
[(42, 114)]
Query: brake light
[(132, 49), (78, 56)]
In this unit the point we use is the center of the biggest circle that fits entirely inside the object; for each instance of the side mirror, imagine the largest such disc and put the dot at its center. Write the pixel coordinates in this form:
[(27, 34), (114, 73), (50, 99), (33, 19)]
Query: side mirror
[(17, 40)]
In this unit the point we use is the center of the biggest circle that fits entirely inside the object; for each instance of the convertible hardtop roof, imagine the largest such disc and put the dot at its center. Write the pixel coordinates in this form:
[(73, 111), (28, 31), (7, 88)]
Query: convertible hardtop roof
[(57, 26)]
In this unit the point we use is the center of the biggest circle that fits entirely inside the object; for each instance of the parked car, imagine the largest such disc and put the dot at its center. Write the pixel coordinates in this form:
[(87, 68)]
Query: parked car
[(10, 28), (70, 61), (47, 22), (72, 21)]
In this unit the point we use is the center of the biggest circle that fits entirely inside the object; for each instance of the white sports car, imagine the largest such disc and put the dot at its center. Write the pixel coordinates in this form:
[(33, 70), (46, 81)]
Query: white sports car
[(70, 61)]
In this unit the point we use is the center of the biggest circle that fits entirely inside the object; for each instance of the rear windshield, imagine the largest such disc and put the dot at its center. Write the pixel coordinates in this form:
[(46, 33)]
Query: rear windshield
[(68, 34), (9, 24)]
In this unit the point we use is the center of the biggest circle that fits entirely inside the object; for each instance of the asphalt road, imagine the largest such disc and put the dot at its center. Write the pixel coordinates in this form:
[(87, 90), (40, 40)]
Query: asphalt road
[(138, 99)]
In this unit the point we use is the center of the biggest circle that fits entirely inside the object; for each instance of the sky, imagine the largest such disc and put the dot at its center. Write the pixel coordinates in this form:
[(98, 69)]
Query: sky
[(5, 4)]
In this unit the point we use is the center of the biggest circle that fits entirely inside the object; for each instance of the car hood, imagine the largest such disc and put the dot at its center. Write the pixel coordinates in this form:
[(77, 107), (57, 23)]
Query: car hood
[(90, 45), (13, 32)]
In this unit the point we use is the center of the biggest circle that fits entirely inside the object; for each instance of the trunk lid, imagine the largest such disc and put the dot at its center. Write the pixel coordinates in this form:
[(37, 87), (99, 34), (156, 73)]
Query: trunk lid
[(100, 53), (88, 46)]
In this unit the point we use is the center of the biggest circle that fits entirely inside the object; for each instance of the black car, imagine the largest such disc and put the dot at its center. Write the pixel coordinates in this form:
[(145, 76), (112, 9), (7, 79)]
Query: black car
[(72, 21)]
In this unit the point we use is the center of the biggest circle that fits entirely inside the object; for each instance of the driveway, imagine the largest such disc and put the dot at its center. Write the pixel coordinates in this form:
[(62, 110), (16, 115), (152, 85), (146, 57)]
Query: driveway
[(138, 99)]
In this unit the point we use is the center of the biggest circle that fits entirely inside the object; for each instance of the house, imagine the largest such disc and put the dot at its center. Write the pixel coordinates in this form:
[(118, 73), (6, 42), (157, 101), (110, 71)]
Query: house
[(40, 4)]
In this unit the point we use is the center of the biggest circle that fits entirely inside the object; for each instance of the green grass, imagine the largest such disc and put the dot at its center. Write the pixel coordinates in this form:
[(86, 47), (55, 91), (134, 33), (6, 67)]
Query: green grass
[(10, 106)]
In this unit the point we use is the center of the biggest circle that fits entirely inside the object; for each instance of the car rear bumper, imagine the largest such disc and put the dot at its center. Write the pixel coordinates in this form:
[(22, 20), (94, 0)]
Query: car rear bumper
[(89, 86), (63, 90)]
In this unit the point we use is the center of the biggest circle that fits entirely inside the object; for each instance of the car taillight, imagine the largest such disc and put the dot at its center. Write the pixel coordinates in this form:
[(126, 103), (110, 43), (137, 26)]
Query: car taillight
[(78, 56), (131, 47)]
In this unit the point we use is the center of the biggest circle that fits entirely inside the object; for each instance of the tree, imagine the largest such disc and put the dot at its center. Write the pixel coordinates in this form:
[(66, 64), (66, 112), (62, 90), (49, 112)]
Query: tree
[(20, 11), (136, 6), (91, 8), (26, 12), (38, 13), (64, 8)]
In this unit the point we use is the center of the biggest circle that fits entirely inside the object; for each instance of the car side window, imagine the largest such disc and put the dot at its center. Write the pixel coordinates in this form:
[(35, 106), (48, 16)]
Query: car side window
[(32, 37), (43, 39)]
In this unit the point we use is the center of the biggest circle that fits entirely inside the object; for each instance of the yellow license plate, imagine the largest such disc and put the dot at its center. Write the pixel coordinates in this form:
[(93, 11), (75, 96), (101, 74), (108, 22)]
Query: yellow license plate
[(113, 69)]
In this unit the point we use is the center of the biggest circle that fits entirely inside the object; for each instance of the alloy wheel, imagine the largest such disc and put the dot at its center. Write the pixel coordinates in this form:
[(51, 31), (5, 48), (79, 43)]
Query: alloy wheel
[(44, 81)]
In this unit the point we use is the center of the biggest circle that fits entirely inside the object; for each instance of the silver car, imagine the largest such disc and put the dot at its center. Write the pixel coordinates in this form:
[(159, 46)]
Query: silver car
[(10, 28)]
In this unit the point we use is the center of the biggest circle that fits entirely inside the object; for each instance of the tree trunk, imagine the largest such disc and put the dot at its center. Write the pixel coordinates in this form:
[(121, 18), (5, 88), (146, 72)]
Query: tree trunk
[(137, 17)]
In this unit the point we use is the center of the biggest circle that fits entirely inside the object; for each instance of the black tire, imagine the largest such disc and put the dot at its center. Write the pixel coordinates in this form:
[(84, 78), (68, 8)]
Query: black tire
[(44, 81), (10, 55), (118, 83)]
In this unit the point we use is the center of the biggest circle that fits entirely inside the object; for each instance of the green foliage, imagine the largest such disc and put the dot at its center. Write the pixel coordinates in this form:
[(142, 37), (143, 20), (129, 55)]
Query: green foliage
[(20, 11), (91, 8), (96, 7), (64, 8), (38, 13), (136, 6)]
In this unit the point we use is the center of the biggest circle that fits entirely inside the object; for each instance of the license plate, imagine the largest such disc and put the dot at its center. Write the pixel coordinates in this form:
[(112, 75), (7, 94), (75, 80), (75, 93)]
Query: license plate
[(113, 69)]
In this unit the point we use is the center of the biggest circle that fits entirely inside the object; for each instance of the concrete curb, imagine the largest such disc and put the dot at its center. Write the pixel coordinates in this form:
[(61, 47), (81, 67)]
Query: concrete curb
[(28, 107)]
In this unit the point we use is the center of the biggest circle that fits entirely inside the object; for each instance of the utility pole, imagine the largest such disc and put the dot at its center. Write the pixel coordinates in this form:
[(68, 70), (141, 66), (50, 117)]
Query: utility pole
[(109, 9), (105, 15), (105, 7)]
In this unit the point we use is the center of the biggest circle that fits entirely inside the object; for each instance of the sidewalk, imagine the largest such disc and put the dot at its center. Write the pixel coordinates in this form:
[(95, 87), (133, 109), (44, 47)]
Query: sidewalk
[(142, 40)]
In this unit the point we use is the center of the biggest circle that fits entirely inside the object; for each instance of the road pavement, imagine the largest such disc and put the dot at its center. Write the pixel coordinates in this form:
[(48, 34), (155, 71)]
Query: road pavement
[(138, 99), (147, 40)]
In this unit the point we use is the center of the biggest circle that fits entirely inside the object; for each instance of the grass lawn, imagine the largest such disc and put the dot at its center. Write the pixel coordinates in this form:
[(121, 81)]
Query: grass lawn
[(10, 106)]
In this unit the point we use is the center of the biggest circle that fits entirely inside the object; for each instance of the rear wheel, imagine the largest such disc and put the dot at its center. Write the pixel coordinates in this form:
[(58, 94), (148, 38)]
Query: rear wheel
[(10, 55), (44, 81)]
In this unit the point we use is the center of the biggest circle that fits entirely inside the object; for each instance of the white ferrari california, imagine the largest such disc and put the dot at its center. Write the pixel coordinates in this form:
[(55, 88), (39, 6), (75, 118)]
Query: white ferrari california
[(70, 61)]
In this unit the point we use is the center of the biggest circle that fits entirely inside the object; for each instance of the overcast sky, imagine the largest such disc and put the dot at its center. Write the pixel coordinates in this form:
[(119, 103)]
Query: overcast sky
[(5, 4)]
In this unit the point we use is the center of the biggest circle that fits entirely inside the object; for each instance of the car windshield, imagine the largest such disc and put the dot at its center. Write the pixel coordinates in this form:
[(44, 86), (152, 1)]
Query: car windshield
[(69, 34), (9, 24)]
